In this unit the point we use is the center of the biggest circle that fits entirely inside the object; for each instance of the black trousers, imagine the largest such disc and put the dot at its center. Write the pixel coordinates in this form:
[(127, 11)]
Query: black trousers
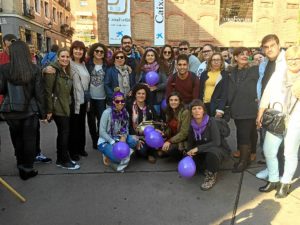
[(77, 131), (62, 140), (23, 136), (93, 117), (246, 133), (208, 161)]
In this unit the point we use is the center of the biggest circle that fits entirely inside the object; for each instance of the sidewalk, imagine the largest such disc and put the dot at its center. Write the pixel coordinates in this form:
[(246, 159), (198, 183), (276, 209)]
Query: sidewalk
[(145, 194)]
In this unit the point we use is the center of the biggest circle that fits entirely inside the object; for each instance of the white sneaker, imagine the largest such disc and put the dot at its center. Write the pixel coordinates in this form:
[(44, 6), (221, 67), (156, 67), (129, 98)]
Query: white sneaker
[(263, 174)]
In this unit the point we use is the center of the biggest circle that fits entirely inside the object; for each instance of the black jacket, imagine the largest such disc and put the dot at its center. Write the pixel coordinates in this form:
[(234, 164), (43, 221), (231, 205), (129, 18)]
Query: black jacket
[(21, 101), (242, 97), (220, 94)]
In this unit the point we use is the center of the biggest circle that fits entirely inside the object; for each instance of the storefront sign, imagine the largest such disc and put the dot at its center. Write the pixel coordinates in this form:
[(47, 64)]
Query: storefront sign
[(159, 22), (119, 22)]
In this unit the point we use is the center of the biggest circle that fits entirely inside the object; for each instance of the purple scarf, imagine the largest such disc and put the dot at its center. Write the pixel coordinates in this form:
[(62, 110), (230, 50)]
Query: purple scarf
[(120, 118), (151, 67), (199, 129)]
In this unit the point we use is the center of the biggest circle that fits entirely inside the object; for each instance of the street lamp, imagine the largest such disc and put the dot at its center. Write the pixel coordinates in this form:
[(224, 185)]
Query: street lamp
[(47, 27)]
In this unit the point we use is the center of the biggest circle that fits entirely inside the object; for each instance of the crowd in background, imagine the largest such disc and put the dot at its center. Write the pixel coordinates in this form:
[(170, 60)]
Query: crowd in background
[(197, 92)]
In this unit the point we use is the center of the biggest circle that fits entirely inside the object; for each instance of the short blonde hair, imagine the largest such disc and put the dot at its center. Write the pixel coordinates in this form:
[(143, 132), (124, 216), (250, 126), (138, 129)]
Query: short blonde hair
[(292, 52)]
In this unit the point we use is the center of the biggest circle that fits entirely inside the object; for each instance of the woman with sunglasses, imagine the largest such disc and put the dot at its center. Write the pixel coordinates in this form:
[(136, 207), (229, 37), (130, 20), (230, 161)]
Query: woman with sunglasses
[(151, 62), (97, 66), (140, 109), (167, 56), (205, 143), (242, 100), (114, 128), (118, 75), (214, 86), (178, 122)]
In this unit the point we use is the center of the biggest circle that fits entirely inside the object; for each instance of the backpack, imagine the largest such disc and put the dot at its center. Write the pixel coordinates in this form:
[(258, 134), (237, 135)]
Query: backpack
[(224, 131)]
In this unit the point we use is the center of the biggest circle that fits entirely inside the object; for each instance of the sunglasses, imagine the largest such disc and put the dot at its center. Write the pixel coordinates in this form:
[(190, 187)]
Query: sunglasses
[(207, 51), (183, 49), (167, 52), (97, 51), (119, 101), (119, 57)]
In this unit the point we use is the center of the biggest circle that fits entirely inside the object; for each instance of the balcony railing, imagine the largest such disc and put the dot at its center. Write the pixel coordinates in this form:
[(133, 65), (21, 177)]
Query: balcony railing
[(62, 3), (67, 30), (29, 12)]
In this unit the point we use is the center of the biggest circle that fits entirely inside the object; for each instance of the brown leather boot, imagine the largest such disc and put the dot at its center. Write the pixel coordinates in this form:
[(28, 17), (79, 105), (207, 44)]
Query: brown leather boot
[(244, 159)]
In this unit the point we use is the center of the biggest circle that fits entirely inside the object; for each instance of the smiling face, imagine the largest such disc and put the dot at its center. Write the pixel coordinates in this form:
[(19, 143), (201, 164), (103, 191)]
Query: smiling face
[(242, 58), (119, 102), (64, 59), (99, 53), (174, 102), (77, 53), (140, 96), (150, 57), (293, 59), (216, 63), (126, 45), (167, 53), (120, 59), (207, 52), (197, 112), (182, 67)]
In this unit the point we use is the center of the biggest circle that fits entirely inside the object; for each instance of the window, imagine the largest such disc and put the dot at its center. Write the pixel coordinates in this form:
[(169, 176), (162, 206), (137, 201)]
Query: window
[(61, 19), (37, 6), (54, 16), (46, 9), (67, 19)]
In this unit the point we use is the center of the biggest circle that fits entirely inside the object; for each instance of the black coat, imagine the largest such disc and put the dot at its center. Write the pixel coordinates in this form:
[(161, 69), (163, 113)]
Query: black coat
[(21, 101), (220, 94), (211, 140), (242, 97)]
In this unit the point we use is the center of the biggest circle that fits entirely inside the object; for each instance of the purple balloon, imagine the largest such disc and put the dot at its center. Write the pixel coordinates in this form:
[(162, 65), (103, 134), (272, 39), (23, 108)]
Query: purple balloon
[(187, 167), (148, 130), (152, 78), (120, 150), (163, 104), (154, 139)]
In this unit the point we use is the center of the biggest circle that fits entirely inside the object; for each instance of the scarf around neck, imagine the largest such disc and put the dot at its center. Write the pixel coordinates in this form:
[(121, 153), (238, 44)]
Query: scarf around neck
[(199, 128), (119, 122), (151, 67), (135, 114)]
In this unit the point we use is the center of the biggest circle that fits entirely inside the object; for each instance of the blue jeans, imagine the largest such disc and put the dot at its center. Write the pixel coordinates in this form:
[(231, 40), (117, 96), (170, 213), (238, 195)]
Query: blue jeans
[(106, 148), (291, 147)]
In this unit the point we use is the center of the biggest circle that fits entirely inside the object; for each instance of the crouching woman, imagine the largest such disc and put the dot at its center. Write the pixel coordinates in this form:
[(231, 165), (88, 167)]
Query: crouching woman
[(114, 128), (205, 143)]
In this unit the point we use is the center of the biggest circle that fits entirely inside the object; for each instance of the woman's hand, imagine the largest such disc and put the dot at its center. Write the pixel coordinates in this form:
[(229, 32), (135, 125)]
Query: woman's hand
[(140, 144), (123, 139), (219, 115), (49, 116), (259, 118), (49, 69), (192, 152), (166, 146)]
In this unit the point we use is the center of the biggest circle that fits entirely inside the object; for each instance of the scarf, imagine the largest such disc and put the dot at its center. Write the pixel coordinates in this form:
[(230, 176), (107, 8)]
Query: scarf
[(135, 114), (199, 129), (124, 83), (119, 123), (170, 65), (151, 67)]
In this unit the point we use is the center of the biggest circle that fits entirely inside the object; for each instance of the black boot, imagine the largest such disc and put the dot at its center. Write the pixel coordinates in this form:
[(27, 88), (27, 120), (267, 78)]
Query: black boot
[(26, 173), (244, 159), (283, 190), (270, 186)]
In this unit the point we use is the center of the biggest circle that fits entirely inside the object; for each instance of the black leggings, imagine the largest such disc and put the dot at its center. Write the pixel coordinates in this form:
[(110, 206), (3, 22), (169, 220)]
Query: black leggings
[(208, 160), (246, 133)]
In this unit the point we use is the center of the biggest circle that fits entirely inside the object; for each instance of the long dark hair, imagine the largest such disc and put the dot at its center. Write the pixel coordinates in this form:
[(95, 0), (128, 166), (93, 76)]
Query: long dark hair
[(21, 67), (96, 45), (143, 60), (169, 111)]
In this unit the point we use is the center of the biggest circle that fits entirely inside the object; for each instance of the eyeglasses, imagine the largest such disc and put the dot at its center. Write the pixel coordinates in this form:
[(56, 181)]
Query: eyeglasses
[(119, 57), (119, 101), (207, 51), (216, 60), (12, 40), (99, 51), (293, 60), (183, 49), (167, 52)]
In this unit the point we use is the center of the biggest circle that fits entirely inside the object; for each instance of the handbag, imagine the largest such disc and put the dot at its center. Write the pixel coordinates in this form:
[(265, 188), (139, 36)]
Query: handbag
[(157, 125), (274, 120)]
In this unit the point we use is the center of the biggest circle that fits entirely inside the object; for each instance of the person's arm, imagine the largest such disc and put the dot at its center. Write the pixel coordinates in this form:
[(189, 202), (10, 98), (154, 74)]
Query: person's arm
[(194, 64), (184, 128), (196, 89), (49, 79), (223, 94), (77, 90), (163, 82), (39, 91), (108, 84), (168, 86), (104, 123)]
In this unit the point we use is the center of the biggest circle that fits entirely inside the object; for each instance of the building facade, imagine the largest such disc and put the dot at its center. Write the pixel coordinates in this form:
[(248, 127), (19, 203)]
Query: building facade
[(39, 22), (85, 21), (228, 23)]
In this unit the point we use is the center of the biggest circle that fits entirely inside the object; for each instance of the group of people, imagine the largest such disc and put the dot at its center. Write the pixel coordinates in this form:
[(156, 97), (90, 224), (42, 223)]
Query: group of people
[(113, 93)]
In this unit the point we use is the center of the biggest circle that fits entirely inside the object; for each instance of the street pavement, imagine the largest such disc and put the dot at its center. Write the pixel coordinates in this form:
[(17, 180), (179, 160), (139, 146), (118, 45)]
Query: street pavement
[(146, 194)]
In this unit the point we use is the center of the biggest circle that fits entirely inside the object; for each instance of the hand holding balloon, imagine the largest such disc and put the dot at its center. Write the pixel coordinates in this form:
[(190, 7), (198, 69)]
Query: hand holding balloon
[(192, 152), (121, 150), (152, 78)]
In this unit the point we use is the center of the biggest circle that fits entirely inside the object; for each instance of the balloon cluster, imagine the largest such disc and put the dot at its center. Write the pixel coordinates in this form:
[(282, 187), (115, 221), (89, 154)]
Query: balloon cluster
[(187, 167), (153, 138)]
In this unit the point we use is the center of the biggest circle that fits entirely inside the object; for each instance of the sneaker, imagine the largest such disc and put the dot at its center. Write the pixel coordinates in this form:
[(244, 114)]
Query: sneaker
[(68, 165), (263, 174), (40, 158), (209, 180)]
